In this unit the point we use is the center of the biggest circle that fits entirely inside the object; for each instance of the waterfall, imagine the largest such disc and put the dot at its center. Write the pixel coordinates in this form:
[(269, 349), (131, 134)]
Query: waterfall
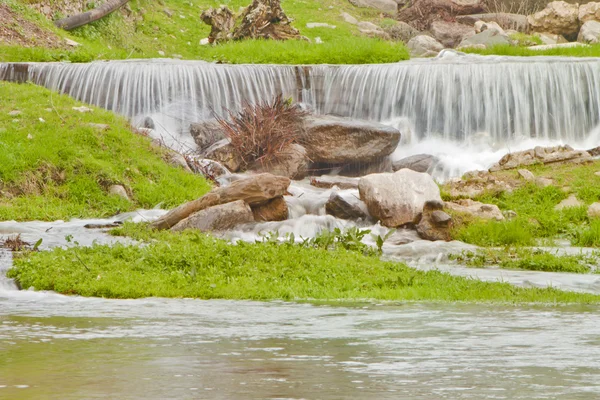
[(454, 98)]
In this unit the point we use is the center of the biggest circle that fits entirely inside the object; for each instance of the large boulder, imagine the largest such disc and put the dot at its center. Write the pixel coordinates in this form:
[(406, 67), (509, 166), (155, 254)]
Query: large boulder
[(224, 153), (424, 46), (435, 224), (485, 39), (292, 162), (558, 17), (387, 6), (475, 209), (450, 34), (589, 12), (345, 207), (217, 218), (206, 133), (516, 22), (272, 210), (542, 155), (590, 32), (397, 199), (401, 31), (336, 140), (254, 190), (418, 162)]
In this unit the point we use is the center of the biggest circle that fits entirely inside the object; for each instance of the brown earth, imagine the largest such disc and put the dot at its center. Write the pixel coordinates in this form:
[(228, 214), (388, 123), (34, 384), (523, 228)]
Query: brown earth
[(15, 30)]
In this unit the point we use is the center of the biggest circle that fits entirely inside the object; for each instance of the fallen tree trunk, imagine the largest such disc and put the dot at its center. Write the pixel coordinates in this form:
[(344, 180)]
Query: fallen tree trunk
[(78, 20)]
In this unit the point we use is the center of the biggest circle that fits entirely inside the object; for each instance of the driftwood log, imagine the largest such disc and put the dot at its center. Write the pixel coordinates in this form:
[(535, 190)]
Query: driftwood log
[(78, 20), (421, 13)]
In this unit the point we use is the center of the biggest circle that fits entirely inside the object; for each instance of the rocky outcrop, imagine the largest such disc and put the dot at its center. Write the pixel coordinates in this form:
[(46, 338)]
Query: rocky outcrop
[(224, 153), (340, 141), (329, 181), (589, 12), (292, 163), (421, 13), (217, 218), (542, 155), (273, 210), (450, 34), (206, 133), (558, 17), (485, 39), (254, 190), (387, 6), (418, 162), (516, 22), (435, 224), (397, 199), (345, 207), (590, 32), (476, 183), (475, 209), (424, 46)]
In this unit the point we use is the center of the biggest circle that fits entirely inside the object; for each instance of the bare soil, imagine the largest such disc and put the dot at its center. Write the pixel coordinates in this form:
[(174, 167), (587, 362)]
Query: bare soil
[(15, 30)]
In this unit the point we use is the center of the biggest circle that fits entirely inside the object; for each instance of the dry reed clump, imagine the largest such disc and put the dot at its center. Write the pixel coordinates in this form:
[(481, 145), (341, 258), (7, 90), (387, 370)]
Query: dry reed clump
[(15, 243), (523, 7), (262, 133)]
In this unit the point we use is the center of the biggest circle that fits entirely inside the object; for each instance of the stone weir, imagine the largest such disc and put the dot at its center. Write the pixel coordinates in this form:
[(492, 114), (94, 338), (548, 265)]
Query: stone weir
[(451, 97)]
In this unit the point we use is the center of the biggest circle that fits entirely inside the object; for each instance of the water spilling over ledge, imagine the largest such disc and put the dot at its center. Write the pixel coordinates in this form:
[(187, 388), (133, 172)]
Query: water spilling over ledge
[(456, 98)]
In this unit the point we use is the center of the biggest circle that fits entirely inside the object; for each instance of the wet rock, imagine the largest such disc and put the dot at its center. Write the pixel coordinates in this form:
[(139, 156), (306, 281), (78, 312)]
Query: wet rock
[(517, 22), (544, 155), (329, 181), (211, 169), (119, 191), (348, 207), (424, 46), (148, 123), (223, 152), (217, 218), (254, 190), (273, 210), (349, 18), (387, 6), (397, 199), (485, 39), (450, 34), (418, 162), (590, 32), (589, 12), (475, 209), (292, 163), (340, 141), (558, 17), (594, 210), (526, 174), (569, 202), (206, 133), (434, 224)]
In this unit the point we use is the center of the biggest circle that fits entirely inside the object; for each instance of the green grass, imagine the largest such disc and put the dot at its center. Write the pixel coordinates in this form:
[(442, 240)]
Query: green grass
[(529, 259), (192, 264), (117, 37), (54, 165), (507, 50)]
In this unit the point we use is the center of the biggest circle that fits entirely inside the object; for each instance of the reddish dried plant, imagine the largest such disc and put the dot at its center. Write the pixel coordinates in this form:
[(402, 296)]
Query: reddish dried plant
[(261, 133)]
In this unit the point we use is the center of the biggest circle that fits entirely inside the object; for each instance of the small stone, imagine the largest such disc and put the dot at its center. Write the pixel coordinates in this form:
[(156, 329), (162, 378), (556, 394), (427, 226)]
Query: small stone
[(543, 182), (161, 53), (440, 217), (42, 120), (569, 202), (83, 109), (72, 43), (510, 214), (349, 18), (177, 56), (204, 42), (29, 136), (594, 210), (526, 174), (311, 25), (119, 191), (168, 12), (14, 113), (597, 173), (318, 40)]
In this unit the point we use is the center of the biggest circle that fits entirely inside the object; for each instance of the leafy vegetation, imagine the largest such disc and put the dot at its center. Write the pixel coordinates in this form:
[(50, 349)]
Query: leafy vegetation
[(507, 50), (56, 164), (191, 264), (173, 28)]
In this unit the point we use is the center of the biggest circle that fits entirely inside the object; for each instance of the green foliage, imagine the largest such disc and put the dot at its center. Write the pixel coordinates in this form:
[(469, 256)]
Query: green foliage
[(57, 166), (192, 264), (587, 236), (529, 259), (494, 233), (523, 39)]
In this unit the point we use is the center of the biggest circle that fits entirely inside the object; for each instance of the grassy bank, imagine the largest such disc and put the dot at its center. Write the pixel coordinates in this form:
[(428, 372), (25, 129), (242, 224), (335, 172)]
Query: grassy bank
[(173, 27), (191, 264), (54, 164), (517, 51)]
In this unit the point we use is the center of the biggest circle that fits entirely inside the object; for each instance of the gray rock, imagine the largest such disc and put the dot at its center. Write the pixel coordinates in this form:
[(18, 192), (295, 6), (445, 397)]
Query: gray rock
[(543, 155), (424, 46), (434, 223), (475, 209), (347, 207), (401, 31), (590, 32), (148, 123), (550, 38), (206, 133), (217, 218), (336, 140), (388, 6), (569, 202), (526, 174), (418, 162), (349, 18), (397, 199), (451, 34), (292, 163), (558, 17), (594, 210), (119, 191), (329, 181), (223, 152), (487, 38), (311, 25)]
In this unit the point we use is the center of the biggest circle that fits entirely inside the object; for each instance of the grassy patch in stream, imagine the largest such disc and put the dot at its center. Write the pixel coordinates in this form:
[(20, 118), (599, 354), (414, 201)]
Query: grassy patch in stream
[(173, 28), (191, 264), (55, 165)]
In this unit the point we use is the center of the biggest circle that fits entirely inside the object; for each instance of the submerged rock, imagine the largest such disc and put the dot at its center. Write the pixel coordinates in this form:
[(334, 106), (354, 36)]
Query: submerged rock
[(347, 207), (273, 210), (434, 224), (397, 199), (217, 218), (337, 140)]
